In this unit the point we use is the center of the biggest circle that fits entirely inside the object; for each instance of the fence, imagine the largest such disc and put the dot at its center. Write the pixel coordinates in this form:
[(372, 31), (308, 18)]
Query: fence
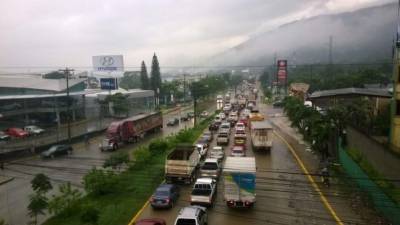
[(382, 202)]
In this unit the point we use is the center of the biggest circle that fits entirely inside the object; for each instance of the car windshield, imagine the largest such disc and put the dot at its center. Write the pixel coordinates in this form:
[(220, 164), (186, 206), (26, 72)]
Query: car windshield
[(186, 222), (210, 166), (52, 149), (162, 193)]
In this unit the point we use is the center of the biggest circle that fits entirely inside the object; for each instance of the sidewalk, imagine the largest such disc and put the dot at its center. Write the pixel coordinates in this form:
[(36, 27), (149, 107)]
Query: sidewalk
[(4, 179), (349, 210)]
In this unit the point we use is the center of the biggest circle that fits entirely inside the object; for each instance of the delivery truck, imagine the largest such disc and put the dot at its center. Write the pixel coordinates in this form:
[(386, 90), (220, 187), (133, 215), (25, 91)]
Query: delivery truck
[(239, 181), (261, 135), (182, 164), (130, 130)]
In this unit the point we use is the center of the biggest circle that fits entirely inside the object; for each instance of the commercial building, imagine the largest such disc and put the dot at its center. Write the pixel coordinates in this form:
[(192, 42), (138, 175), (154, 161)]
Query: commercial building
[(32, 99)]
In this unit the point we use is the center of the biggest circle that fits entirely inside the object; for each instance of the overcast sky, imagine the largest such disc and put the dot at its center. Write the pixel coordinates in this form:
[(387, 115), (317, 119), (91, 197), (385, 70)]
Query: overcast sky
[(181, 32)]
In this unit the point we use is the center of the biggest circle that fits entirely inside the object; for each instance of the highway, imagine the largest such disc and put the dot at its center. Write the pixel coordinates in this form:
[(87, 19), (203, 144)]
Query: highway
[(284, 195)]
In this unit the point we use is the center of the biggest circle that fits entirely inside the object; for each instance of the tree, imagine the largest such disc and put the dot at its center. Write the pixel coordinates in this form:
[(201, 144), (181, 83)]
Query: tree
[(37, 204), (155, 77), (41, 183), (130, 80), (66, 201), (144, 78), (99, 182)]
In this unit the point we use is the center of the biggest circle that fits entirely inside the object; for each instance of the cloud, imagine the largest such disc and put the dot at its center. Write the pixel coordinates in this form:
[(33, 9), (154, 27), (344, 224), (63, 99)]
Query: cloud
[(182, 32)]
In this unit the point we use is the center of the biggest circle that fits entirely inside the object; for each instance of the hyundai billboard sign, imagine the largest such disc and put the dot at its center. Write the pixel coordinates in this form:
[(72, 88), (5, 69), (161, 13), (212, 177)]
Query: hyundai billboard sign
[(108, 63), (108, 84)]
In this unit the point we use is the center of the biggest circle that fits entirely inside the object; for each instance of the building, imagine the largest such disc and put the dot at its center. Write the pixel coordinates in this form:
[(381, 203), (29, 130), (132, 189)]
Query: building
[(324, 99), (32, 99)]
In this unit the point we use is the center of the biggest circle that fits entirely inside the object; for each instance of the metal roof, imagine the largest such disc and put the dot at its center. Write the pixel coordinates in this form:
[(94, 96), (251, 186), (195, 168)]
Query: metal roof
[(351, 91), (260, 125), (37, 82), (240, 164)]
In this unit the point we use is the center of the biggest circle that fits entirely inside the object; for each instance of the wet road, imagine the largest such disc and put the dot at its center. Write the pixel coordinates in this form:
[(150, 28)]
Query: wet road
[(14, 195), (284, 195)]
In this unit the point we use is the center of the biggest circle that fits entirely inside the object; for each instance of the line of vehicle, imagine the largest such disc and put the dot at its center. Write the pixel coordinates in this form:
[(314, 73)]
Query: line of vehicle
[(312, 181)]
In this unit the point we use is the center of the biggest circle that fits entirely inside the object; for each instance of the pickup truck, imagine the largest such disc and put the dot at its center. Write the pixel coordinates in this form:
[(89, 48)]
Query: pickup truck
[(223, 137), (182, 163), (210, 168), (203, 192), (217, 152)]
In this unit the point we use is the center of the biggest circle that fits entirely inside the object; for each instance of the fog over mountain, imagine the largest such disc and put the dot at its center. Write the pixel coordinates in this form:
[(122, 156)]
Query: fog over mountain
[(364, 35)]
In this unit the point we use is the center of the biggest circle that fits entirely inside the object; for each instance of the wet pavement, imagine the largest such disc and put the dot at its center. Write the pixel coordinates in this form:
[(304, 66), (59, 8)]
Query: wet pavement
[(71, 168), (284, 194)]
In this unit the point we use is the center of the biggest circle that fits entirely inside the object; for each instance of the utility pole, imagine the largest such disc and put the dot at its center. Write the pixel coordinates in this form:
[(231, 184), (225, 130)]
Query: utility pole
[(330, 55), (66, 72), (184, 88)]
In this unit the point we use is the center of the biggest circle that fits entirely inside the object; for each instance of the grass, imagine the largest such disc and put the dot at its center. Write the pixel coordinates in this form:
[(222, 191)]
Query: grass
[(133, 188), (388, 187)]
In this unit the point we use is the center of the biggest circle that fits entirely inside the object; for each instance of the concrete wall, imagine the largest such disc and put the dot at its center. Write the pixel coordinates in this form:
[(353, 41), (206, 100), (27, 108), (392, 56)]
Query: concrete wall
[(383, 160)]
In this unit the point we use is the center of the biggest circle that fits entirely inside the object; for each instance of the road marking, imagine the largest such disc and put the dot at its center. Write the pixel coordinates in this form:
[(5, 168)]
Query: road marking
[(133, 220), (312, 181)]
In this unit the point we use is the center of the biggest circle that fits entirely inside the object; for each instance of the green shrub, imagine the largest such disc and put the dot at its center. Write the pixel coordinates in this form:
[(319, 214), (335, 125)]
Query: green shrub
[(89, 214), (141, 155), (66, 202), (158, 146), (100, 182)]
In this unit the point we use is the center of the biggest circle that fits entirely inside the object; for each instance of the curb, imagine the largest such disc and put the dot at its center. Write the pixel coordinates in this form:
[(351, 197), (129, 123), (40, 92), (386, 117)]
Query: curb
[(6, 180)]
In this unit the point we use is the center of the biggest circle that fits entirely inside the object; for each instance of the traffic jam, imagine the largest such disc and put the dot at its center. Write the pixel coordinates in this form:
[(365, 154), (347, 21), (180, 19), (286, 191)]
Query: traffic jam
[(219, 160)]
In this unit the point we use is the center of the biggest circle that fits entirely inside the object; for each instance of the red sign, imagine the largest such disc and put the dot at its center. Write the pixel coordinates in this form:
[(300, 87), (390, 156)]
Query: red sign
[(282, 70)]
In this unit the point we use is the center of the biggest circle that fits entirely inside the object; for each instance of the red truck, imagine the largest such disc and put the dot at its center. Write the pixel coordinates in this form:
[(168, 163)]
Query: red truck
[(130, 130)]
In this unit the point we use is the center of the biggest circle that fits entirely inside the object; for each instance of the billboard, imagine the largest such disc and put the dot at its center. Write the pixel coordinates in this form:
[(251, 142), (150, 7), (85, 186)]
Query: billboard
[(282, 71), (108, 63), (108, 84)]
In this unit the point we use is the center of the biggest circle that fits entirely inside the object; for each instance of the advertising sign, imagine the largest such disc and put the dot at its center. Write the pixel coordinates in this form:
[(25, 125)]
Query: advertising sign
[(282, 70), (108, 63), (108, 84)]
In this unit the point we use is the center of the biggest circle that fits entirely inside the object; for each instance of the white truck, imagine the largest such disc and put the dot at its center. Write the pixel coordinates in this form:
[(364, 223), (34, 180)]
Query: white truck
[(239, 181), (261, 135), (182, 164)]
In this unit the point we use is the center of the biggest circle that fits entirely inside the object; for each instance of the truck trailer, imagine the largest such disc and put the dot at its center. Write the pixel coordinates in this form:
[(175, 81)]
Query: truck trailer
[(130, 130), (261, 135), (239, 181)]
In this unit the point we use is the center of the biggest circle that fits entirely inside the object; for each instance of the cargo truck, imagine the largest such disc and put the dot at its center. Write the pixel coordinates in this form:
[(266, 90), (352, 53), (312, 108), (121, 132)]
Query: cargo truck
[(130, 130), (182, 164), (239, 181), (261, 135)]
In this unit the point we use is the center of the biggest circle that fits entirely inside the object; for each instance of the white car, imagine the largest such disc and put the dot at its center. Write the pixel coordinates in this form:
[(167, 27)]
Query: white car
[(196, 215), (34, 130), (217, 152), (240, 126), (204, 114), (222, 116), (226, 126)]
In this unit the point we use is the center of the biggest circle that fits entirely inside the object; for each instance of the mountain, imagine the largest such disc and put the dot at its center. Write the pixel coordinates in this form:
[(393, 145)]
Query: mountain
[(361, 36)]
